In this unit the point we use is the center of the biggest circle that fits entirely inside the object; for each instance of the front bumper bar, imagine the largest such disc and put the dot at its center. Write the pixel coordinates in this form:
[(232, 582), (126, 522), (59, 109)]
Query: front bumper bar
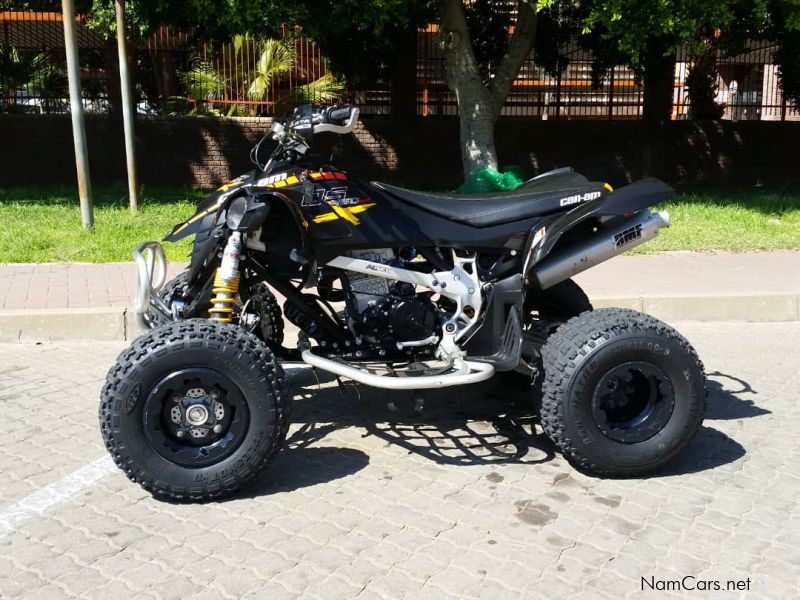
[(151, 274)]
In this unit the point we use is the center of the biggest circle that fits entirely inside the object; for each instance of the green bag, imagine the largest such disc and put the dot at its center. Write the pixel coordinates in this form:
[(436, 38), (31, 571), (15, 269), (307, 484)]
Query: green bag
[(489, 180)]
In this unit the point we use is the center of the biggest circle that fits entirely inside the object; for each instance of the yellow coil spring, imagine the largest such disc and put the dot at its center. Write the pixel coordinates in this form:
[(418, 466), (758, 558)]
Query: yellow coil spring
[(225, 291)]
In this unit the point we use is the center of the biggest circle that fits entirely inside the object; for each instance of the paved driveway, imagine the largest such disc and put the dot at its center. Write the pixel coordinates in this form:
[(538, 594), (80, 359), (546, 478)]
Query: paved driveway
[(457, 499)]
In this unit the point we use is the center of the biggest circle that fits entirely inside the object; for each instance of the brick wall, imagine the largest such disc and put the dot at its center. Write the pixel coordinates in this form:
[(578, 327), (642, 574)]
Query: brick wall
[(199, 151)]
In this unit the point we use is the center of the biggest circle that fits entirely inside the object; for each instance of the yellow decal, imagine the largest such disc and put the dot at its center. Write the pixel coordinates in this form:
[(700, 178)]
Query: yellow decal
[(195, 218), (348, 213), (282, 183), (331, 216), (608, 187), (225, 187)]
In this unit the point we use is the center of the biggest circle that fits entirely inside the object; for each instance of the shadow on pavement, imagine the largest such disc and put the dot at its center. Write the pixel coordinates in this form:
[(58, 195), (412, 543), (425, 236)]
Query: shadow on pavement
[(484, 424), (708, 450), (726, 404), (295, 468)]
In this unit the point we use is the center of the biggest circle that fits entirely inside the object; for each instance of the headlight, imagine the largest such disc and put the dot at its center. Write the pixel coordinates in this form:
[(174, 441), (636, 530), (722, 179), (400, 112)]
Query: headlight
[(245, 213), (236, 212)]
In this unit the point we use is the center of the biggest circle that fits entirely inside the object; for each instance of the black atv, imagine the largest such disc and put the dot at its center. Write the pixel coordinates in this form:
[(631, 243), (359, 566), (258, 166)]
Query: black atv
[(397, 289)]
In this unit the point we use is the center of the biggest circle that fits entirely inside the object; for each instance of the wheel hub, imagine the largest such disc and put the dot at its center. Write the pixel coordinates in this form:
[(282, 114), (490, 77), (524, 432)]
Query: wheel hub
[(633, 401), (195, 416), (197, 413)]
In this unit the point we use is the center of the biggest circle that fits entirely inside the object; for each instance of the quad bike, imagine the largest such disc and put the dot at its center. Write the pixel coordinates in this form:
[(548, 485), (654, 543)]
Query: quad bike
[(396, 289)]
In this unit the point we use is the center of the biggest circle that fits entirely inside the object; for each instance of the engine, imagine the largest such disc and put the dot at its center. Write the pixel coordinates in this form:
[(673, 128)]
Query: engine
[(388, 314), (387, 319)]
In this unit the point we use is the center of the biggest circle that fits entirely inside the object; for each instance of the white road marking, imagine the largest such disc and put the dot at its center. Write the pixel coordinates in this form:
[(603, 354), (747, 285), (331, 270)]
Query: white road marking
[(44, 499)]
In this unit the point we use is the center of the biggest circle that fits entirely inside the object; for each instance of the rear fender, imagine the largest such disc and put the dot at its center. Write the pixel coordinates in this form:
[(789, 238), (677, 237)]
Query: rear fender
[(625, 201)]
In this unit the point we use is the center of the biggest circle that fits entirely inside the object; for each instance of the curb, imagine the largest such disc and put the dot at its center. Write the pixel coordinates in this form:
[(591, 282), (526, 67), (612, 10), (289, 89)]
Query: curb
[(65, 324), (761, 308), (117, 325)]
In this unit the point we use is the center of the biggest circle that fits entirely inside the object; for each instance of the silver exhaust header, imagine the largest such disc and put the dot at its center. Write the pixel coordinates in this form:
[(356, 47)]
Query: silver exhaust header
[(462, 373), (608, 242)]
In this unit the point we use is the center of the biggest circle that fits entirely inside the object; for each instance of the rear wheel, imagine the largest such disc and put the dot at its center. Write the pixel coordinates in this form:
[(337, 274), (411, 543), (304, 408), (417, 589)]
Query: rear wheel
[(623, 393), (200, 420)]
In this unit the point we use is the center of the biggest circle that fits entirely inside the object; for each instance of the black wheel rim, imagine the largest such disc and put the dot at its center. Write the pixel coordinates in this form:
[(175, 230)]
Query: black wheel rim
[(633, 401), (195, 417)]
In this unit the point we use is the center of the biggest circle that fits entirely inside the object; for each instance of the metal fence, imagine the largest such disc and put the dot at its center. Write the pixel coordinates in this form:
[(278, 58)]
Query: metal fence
[(175, 74)]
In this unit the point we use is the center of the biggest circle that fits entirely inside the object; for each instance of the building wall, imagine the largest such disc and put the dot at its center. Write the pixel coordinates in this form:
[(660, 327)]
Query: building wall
[(202, 152)]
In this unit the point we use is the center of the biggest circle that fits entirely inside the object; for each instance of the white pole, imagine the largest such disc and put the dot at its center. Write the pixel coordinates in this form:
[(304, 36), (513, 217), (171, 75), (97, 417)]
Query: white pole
[(127, 105), (76, 110)]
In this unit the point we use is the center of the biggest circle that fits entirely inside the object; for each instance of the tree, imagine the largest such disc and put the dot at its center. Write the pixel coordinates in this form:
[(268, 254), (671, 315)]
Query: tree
[(777, 21), (701, 84), (362, 39), (481, 89), (647, 35), (365, 40)]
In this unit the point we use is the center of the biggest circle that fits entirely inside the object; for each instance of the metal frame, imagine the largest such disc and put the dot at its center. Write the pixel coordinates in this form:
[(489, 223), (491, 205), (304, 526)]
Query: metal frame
[(460, 284), (151, 274)]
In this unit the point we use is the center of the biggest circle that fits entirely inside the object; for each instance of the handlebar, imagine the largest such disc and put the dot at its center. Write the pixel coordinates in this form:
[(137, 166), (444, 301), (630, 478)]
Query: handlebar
[(338, 116), (336, 119), (294, 133)]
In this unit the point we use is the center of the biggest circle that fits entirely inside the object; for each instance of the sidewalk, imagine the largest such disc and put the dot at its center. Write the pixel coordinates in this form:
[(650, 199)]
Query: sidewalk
[(42, 299)]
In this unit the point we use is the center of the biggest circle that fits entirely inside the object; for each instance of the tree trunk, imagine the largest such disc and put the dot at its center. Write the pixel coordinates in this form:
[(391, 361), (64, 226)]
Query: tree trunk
[(476, 128), (404, 79), (112, 85), (701, 83), (659, 87), (479, 102), (165, 76)]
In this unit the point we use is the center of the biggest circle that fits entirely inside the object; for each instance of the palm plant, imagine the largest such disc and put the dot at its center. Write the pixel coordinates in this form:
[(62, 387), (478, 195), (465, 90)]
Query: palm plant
[(49, 81), (32, 72), (325, 90), (275, 59), (15, 72)]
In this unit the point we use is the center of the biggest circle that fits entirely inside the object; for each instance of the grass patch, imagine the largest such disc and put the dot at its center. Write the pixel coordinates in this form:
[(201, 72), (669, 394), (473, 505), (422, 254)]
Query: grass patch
[(730, 220), (42, 225)]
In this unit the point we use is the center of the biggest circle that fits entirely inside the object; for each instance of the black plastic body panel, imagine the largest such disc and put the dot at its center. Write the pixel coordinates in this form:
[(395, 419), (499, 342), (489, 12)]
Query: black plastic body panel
[(504, 295), (390, 222), (626, 200)]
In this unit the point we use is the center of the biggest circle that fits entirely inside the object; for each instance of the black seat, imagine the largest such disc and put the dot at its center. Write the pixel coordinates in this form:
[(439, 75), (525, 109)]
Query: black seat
[(551, 192)]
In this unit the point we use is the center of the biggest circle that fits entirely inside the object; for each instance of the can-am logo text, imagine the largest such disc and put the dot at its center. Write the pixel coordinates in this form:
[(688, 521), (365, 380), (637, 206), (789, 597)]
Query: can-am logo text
[(580, 198)]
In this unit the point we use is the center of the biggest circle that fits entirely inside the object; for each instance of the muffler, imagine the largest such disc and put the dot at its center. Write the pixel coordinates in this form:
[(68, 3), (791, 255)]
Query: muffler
[(615, 238)]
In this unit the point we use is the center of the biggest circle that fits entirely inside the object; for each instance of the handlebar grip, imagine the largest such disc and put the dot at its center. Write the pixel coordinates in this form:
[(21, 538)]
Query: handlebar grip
[(339, 116)]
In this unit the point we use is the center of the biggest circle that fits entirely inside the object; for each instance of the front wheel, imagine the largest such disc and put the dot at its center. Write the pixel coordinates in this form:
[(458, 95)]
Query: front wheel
[(623, 392), (194, 409)]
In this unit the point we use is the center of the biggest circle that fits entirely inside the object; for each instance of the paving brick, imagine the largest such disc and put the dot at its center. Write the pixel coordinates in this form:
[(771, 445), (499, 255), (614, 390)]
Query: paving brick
[(410, 522)]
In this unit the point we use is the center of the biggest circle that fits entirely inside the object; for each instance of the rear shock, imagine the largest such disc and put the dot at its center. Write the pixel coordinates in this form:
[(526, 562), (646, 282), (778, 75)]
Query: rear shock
[(226, 281)]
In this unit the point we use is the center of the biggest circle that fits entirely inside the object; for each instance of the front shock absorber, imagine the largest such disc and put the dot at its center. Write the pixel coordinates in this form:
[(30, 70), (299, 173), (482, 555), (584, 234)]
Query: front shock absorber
[(226, 280)]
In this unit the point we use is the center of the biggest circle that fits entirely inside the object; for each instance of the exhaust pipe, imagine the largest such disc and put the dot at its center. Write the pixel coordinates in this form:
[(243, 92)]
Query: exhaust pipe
[(607, 243)]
